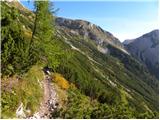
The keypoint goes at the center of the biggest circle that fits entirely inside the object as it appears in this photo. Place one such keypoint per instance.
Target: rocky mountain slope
(126, 42)
(100, 74)
(146, 49)
(89, 31)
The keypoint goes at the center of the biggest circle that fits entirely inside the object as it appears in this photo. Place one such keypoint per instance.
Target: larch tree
(44, 29)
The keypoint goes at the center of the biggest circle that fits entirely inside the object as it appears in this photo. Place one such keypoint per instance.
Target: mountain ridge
(91, 31)
(145, 48)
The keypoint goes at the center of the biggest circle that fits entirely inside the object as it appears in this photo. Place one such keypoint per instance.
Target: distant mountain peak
(146, 49)
(128, 41)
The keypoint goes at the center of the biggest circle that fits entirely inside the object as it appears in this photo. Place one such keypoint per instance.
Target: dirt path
(50, 100)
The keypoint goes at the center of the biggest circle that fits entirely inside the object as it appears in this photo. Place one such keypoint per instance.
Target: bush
(15, 55)
(61, 81)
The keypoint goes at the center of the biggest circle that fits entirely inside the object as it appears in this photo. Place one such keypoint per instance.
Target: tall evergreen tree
(44, 29)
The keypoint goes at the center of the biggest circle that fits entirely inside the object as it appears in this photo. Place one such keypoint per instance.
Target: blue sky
(125, 19)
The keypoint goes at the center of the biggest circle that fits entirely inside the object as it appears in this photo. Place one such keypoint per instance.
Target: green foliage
(80, 106)
(15, 56)
(92, 77)
(9, 103)
(49, 49)
(76, 100)
(83, 77)
(19, 54)
(138, 77)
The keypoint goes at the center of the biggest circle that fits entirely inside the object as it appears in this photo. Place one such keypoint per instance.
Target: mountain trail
(49, 102)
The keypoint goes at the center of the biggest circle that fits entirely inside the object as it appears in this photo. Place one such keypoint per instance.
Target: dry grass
(26, 89)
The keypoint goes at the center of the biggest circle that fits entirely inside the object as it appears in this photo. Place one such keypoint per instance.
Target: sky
(125, 19)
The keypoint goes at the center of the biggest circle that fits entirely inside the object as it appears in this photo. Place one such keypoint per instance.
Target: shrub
(61, 81)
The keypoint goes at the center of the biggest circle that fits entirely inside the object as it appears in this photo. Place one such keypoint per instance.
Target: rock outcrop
(89, 31)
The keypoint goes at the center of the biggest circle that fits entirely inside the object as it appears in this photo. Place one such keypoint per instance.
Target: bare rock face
(89, 31)
(146, 49)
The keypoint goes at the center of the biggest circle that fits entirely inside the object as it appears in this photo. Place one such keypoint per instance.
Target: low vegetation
(80, 106)
(60, 81)
(25, 89)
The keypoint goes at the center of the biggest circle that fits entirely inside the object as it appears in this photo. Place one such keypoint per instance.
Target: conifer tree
(44, 29)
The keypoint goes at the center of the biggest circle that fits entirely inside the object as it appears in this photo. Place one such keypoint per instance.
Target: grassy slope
(25, 89)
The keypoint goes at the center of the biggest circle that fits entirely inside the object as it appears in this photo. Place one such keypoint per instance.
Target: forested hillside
(88, 77)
